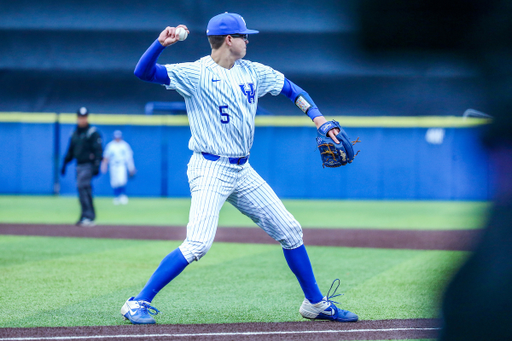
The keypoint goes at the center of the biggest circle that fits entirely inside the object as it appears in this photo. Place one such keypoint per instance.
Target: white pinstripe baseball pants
(214, 182)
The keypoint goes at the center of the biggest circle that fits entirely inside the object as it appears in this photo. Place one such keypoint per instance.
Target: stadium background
(405, 103)
(59, 55)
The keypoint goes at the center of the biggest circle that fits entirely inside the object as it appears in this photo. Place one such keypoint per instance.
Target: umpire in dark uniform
(84, 146)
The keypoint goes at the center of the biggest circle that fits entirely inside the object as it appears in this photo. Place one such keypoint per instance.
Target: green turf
(310, 213)
(79, 281)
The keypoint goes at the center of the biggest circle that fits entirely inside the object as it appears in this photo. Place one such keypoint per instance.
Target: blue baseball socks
(170, 267)
(119, 190)
(299, 263)
(174, 263)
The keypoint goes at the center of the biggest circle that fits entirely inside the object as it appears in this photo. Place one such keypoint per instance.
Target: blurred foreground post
(478, 302)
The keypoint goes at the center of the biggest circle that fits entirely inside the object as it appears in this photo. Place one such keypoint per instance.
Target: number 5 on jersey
(224, 116)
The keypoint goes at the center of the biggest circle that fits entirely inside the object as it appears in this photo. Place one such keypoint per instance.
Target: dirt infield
(393, 239)
(362, 330)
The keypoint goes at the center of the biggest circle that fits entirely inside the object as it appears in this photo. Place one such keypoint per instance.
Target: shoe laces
(329, 296)
(146, 307)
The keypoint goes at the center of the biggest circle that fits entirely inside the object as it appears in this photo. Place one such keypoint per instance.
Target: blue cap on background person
(227, 23)
(118, 134)
(82, 111)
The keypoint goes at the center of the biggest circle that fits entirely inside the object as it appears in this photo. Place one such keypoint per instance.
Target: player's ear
(228, 40)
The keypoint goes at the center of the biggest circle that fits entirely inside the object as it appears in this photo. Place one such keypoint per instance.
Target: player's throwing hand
(168, 36)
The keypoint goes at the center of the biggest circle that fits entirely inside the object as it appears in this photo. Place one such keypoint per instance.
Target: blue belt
(233, 160)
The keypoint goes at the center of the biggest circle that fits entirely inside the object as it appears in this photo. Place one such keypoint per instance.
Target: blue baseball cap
(227, 23)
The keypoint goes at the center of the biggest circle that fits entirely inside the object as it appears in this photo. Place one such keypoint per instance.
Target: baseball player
(221, 93)
(118, 156)
(84, 146)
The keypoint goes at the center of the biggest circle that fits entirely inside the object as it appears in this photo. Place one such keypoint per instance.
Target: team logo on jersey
(248, 90)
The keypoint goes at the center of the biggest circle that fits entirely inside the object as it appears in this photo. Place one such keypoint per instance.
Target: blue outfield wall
(394, 162)
(27, 161)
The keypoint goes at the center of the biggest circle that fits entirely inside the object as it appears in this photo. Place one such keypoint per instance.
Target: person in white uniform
(221, 93)
(118, 159)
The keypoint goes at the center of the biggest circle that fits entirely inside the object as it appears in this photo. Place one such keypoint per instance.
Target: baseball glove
(333, 154)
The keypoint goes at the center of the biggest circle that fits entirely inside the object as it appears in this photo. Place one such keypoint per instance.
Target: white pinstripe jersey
(221, 103)
(119, 153)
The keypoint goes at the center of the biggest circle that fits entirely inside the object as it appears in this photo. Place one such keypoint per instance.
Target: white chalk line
(91, 337)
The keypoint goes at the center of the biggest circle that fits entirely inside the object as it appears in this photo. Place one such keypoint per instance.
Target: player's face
(82, 121)
(240, 42)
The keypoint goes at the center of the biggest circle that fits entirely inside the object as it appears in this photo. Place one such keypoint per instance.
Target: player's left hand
(338, 154)
(168, 35)
(319, 121)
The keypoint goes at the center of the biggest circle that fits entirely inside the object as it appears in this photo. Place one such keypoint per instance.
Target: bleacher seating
(57, 55)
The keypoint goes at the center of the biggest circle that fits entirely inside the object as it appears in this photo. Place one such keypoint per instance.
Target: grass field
(80, 281)
(55, 281)
(310, 213)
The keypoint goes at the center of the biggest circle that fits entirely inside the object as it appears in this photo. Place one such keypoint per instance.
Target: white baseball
(181, 33)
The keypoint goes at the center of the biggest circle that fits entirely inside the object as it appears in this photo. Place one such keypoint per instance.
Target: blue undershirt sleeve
(148, 69)
(301, 99)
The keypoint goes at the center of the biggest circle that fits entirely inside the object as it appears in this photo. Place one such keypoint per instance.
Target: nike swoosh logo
(329, 313)
(132, 312)
(215, 80)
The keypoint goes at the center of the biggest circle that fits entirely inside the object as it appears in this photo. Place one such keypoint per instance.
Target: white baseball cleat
(85, 222)
(139, 312)
(326, 310)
